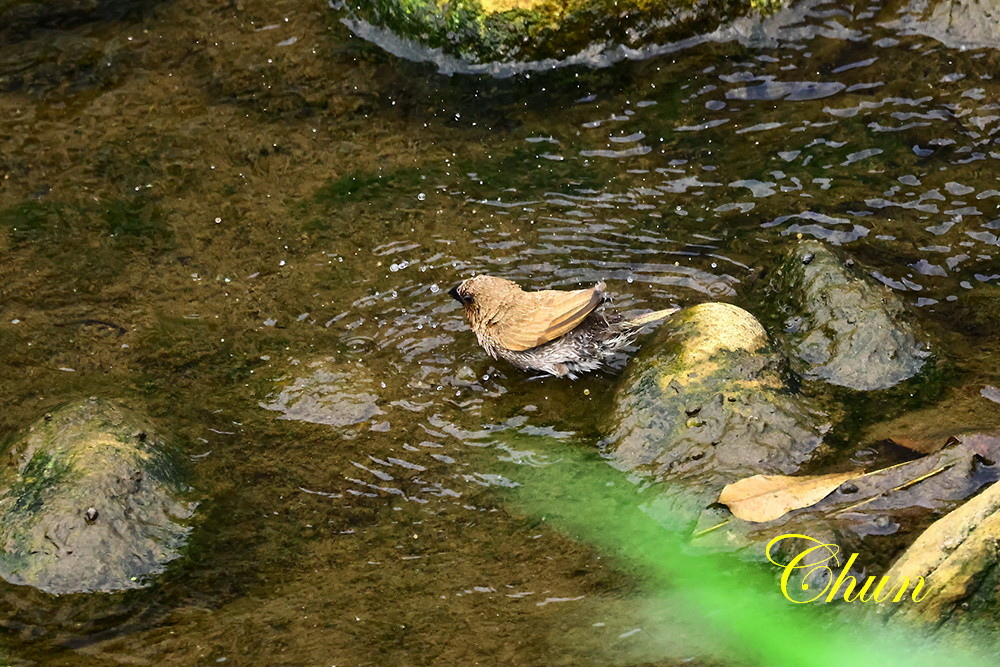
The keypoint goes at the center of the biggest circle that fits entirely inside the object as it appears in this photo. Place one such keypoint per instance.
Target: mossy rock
(483, 31)
(704, 404)
(91, 499)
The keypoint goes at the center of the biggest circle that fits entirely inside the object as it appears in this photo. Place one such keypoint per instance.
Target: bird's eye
(463, 299)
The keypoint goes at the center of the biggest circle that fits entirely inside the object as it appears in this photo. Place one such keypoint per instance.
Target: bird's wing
(546, 315)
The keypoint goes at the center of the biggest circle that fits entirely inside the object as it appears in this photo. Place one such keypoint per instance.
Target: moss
(357, 186)
(129, 222)
(42, 471)
(767, 7)
(134, 218)
(32, 220)
(492, 30)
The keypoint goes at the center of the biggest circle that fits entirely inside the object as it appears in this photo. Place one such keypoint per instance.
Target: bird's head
(484, 296)
(460, 293)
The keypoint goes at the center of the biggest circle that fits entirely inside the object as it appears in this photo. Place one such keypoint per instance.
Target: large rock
(90, 500)
(843, 327)
(483, 31)
(705, 404)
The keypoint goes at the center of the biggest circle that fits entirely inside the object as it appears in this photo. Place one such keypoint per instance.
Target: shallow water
(273, 210)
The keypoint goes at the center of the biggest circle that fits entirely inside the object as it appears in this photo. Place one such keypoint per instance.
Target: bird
(559, 332)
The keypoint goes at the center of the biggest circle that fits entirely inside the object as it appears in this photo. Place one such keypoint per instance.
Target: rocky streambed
(741, 433)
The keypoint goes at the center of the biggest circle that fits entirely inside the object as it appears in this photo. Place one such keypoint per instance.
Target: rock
(90, 500)
(485, 31)
(959, 24)
(957, 556)
(844, 328)
(705, 404)
(333, 393)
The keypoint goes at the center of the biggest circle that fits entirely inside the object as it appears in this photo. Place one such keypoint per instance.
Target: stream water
(273, 210)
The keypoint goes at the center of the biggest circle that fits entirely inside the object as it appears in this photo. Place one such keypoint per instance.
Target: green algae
(485, 32)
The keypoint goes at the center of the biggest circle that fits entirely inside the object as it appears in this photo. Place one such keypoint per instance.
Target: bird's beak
(453, 293)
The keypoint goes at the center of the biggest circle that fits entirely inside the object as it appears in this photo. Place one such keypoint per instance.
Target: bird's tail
(649, 318)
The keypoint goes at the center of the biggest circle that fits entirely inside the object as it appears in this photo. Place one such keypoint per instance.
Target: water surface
(273, 210)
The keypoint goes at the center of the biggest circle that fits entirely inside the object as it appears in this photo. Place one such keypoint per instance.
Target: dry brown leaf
(767, 497)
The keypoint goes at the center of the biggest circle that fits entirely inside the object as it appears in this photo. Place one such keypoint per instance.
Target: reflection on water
(273, 211)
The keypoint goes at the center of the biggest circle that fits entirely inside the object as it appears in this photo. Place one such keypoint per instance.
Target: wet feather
(563, 333)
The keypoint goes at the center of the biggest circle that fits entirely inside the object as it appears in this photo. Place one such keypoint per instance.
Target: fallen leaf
(767, 497)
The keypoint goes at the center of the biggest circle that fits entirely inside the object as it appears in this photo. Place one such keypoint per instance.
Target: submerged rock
(327, 391)
(90, 500)
(845, 328)
(959, 24)
(964, 409)
(483, 31)
(704, 404)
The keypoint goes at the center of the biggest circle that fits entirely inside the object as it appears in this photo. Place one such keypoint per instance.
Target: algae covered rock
(704, 404)
(90, 500)
(482, 31)
(845, 328)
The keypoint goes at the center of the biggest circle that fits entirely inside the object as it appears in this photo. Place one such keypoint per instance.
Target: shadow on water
(273, 210)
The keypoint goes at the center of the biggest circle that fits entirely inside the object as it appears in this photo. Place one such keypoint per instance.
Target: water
(273, 210)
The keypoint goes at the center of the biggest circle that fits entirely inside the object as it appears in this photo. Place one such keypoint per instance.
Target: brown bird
(554, 331)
